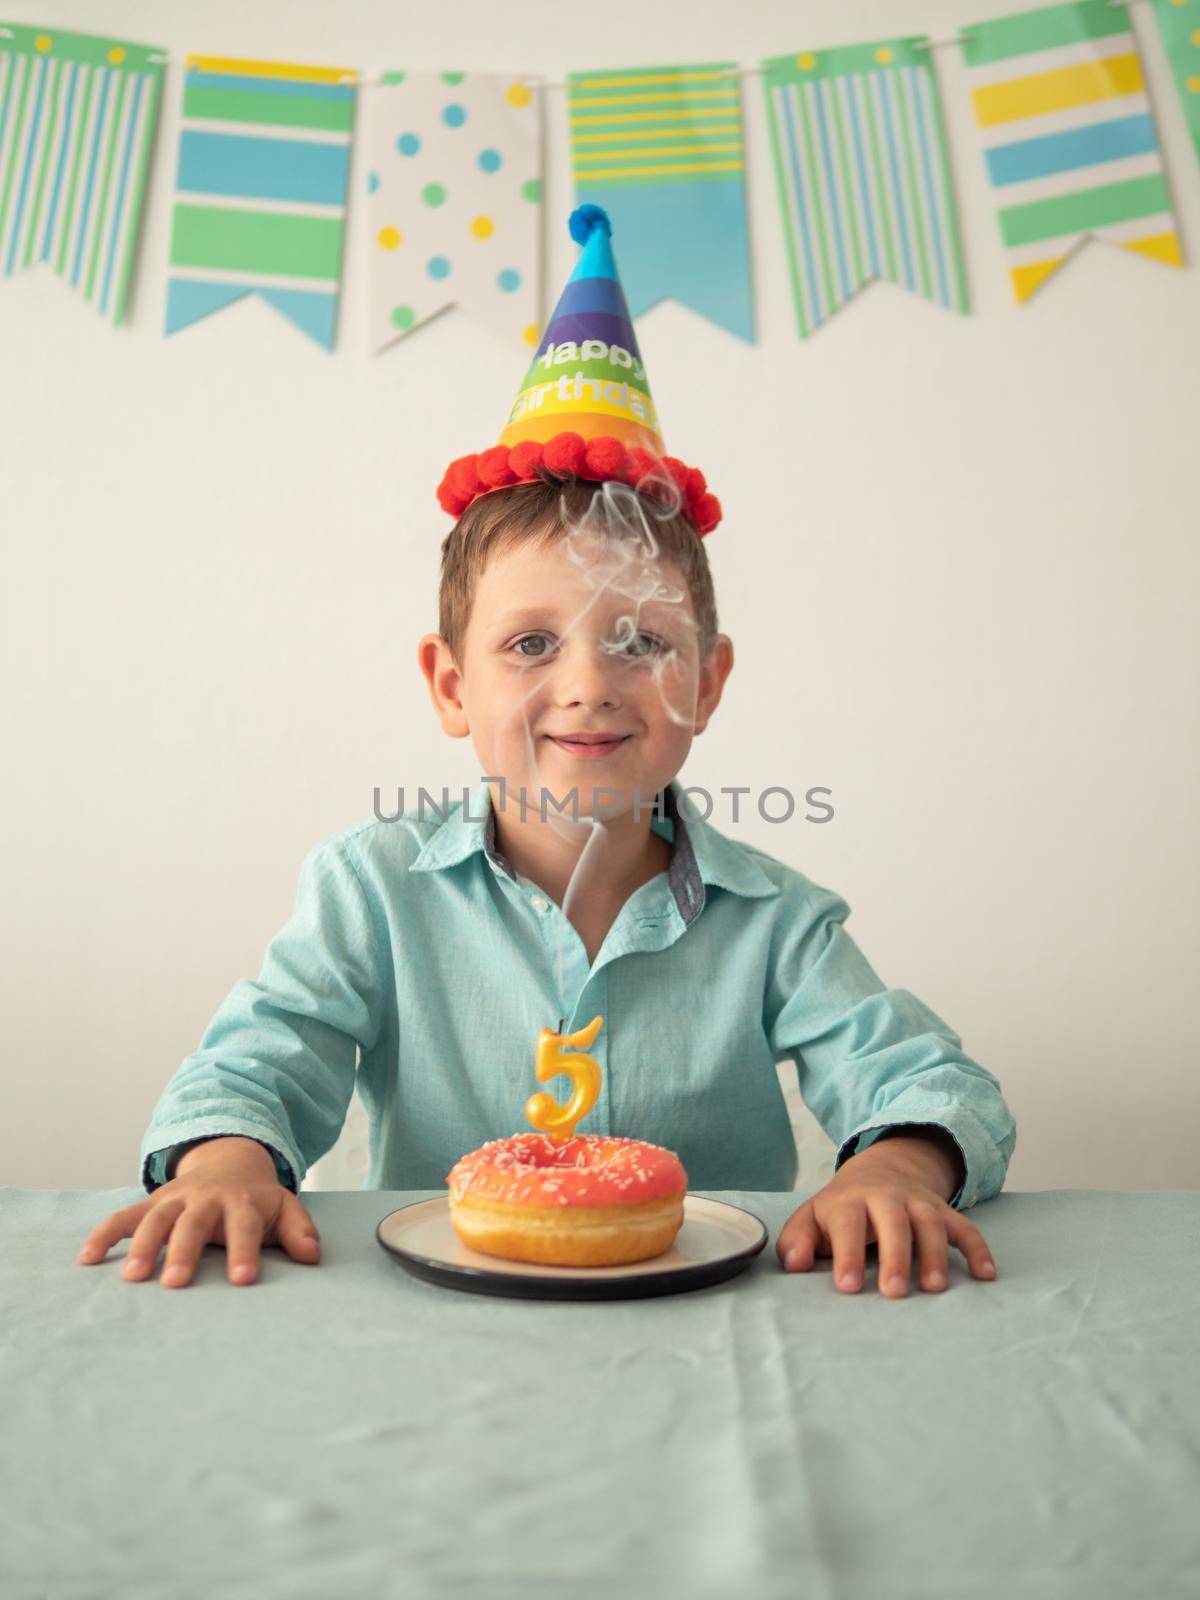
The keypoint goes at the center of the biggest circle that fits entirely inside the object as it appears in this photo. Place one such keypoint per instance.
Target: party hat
(584, 407)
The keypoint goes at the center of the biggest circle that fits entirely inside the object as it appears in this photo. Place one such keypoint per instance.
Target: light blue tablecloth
(349, 1431)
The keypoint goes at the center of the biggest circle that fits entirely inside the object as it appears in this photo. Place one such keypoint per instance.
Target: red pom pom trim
(463, 478)
(677, 472)
(525, 458)
(603, 459)
(451, 502)
(708, 514)
(565, 453)
(494, 467)
(595, 460)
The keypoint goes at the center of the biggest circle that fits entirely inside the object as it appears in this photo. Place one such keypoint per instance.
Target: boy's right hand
(225, 1191)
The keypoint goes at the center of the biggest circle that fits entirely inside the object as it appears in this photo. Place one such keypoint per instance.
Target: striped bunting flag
(863, 175)
(661, 150)
(260, 190)
(1179, 27)
(77, 120)
(1068, 137)
(454, 203)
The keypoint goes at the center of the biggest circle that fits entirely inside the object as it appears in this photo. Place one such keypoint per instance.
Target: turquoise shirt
(420, 967)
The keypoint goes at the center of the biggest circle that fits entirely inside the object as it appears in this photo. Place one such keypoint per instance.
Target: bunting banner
(1068, 137)
(661, 150)
(77, 120)
(260, 190)
(453, 163)
(1179, 28)
(454, 191)
(863, 175)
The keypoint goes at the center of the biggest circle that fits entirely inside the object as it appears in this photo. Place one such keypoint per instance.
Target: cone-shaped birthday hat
(584, 407)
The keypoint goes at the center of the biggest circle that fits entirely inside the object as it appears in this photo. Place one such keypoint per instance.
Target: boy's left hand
(894, 1190)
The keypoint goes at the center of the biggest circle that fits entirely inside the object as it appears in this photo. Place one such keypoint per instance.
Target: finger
(243, 1239)
(894, 1233)
(798, 1239)
(147, 1239)
(190, 1234)
(847, 1229)
(106, 1234)
(298, 1232)
(929, 1230)
(966, 1237)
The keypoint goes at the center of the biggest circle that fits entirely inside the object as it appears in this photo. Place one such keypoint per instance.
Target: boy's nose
(588, 677)
(587, 686)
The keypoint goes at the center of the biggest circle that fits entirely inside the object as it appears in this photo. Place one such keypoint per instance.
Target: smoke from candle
(615, 548)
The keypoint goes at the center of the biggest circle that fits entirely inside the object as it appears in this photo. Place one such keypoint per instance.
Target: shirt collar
(699, 853)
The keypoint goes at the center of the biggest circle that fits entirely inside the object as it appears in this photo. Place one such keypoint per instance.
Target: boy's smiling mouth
(588, 746)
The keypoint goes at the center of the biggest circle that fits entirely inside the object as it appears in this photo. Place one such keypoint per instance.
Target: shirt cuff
(982, 1164)
(289, 1166)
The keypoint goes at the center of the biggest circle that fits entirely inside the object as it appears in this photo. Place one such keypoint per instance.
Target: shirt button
(539, 904)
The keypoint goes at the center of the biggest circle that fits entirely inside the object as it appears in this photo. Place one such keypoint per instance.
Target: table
(348, 1431)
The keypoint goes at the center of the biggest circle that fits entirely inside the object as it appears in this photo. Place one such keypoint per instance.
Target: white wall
(969, 609)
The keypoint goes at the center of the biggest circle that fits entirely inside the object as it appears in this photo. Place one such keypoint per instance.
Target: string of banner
(454, 161)
(380, 80)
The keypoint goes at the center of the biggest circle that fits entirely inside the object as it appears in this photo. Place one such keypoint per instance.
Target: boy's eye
(527, 639)
(655, 647)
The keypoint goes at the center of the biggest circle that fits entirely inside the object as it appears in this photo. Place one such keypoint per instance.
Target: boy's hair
(533, 512)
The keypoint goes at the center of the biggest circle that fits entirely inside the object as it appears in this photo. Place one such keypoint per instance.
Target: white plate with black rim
(715, 1242)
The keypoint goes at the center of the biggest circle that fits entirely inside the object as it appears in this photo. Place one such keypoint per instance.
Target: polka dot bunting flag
(454, 193)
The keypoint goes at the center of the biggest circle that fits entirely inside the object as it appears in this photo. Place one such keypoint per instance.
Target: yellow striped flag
(1068, 137)
(660, 150)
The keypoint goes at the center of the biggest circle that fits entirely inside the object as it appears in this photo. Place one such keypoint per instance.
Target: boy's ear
(713, 673)
(437, 663)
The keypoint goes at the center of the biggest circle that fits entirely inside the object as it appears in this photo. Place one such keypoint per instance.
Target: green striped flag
(863, 175)
(77, 120)
(1179, 26)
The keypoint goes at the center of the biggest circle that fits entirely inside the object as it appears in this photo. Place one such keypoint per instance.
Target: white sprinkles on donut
(587, 1169)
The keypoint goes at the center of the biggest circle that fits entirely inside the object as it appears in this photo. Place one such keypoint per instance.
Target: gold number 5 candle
(542, 1109)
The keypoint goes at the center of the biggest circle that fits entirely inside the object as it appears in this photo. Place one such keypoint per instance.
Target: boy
(579, 650)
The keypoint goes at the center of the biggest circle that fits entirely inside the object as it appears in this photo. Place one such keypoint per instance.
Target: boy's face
(583, 635)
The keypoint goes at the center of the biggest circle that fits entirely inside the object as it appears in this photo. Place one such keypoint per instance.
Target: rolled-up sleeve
(157, 1162)
(278, 1060)
(869, 1057)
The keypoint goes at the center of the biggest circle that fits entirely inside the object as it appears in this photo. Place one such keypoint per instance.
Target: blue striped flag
(77, 120)
(863, 175)
(260, 190)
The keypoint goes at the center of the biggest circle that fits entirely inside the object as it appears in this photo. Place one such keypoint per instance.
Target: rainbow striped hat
(584, 407)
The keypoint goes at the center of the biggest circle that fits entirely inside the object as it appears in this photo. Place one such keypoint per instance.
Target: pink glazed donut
(587, 1201)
